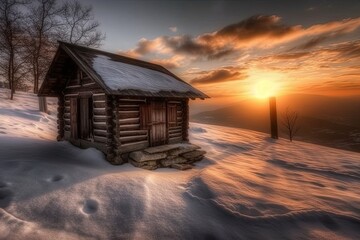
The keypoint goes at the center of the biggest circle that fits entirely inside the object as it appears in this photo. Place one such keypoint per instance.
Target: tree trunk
(43, 104)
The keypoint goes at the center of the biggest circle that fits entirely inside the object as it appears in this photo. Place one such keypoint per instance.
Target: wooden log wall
(60, 119)
(130, 133)
(66, 117)
(175, 131)
(185, 119)
(100, 118)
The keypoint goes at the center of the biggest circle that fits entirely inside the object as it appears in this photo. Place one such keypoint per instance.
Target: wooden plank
(99, 104)
(175, 128)
(73, 86)
(100, 118)
(73, 117)
(129, 127)
(128, 114)
(129, 139)
(174, 135)
(99, 111)
(100, 132)
(88, 84)
(133, 132)
(100, 139)
(171, 131)
(185, 119)
(129, 120)
(100, 125)
(99, 97)
(71, 95)
(131, 100)
(175, 140)
(129, 147)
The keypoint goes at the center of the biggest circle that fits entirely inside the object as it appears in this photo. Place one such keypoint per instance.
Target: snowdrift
(248, 187)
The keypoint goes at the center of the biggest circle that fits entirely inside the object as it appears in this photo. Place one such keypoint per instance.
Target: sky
(241, 49)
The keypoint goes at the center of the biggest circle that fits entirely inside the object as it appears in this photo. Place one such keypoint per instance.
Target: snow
(122, 76)
(248, 187)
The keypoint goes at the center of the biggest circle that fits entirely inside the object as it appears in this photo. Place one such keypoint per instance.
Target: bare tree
(42, 26)
(12, 63)
(79, 25)
(290, 123)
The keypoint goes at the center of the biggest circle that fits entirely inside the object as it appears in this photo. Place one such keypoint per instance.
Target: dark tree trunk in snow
(43, 104)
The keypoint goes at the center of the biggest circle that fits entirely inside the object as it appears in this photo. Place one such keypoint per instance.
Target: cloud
(173, 29)
(255, 32)
(224, 74)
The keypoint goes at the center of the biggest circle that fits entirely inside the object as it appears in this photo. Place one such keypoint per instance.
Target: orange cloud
(254, 32)
(224, 74)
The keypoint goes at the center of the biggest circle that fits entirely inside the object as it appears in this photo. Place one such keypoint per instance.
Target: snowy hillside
(248, 187)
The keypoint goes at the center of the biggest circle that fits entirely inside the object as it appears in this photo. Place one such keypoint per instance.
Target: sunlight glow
(264, 89)
(267, 84)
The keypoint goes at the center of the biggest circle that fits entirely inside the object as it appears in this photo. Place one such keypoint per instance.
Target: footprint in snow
(90, 206)
(56, 178)
(6, 196)
(3, 184)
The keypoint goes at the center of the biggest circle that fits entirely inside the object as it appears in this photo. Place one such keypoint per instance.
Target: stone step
(181, 166)
(193, 154)
(141, 156)
(183, 149)
(172, 160)
(162, 148)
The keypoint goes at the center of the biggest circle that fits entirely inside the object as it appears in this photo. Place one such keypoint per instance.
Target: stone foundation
(180, 156)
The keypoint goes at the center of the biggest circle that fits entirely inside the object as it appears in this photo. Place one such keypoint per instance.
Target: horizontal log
(99, 111)
(71, 95)
(100, 139)
(171, 131)
(129, 147)
(174, 135)
(128, 108)
(98, 94)
(67, 121)
(67, 115)
(175, 128)
(175, 140)
(130, 127)
(88, 84)
(100, 125)
(129, 139)
(99, 104)
(128, 114)
(128, 105)
(100, 118)
(100, 132)
(99, 97)
(133, 132)
(73, 86)
(129, 120)
(131, 100)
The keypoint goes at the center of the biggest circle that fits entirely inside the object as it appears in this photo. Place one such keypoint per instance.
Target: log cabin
(115, 103)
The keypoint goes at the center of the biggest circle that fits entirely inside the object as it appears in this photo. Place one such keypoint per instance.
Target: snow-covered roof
(120, 75)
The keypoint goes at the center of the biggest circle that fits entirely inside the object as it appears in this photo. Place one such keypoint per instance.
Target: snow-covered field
(248, 187)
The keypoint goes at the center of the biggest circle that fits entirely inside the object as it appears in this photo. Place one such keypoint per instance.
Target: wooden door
(157, 123)
(85, 118)
(74, 117)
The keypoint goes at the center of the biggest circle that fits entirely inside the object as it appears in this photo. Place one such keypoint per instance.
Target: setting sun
(264, 89)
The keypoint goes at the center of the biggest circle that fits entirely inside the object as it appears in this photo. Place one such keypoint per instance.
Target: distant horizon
(224, 48)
